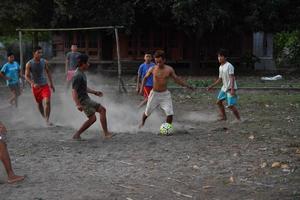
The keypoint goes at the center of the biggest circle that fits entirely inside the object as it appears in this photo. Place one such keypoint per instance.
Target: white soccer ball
(166, 129)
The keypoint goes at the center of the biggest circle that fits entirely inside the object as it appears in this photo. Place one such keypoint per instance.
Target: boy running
(35, 71)
(11, 72)
(83, 102)
(5, 159)
(143, 69)
(160, 95)
(228, 90)
(71, 63)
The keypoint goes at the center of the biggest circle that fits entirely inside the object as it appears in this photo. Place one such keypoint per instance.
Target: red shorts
(41, 92)
(147, 90)
(70, 74)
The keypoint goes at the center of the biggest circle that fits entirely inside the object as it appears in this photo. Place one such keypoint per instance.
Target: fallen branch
(181, 194)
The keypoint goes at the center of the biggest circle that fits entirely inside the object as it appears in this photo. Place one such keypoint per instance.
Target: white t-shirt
(225, 71)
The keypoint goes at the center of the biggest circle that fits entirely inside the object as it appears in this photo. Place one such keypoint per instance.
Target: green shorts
(90, 107)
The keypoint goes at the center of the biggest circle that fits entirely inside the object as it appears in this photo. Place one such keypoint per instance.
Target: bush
(287, 48)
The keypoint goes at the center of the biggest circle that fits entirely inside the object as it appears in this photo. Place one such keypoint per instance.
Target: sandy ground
(202, 160)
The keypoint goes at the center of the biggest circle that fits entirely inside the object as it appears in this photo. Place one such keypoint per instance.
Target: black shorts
(15, 87)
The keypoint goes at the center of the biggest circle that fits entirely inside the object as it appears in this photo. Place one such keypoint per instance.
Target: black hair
(159, 54)
(223, 52)
(10, 54)
(148, 53)
(37, 48)
(82, 59)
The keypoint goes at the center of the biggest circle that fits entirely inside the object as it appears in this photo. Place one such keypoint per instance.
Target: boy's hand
(2, 128)
(52, 87)
(80, 108)
(191, 88)
(98, 93)
(208, 88)
(137, 89)
(141, 91)
(33, 85)
(232, 92)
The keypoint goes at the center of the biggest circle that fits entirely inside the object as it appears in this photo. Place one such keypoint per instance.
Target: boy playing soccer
(143, 69)
(5, 159)
(71, 63)
(35, 73)
(160, 95)
(228, 90)
(11, 72)
(83, 102)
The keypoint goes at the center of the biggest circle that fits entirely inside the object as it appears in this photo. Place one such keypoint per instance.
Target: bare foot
(76, 137)
(221, 119)
(15, 178)
(108, 135)
(49, 124)
(141, 126)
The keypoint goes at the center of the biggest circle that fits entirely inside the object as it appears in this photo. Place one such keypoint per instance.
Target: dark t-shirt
(72, 58)
(79, 84)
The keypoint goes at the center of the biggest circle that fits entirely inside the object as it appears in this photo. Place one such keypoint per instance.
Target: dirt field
(202, 160)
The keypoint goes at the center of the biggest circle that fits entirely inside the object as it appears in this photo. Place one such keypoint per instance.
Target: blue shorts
(231, 100)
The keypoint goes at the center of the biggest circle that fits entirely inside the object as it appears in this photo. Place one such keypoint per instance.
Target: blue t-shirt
(11, 70)
(143, 69)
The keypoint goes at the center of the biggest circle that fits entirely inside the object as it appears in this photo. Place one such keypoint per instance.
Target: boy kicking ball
(228, 90)
(4, 157)
(83, 102)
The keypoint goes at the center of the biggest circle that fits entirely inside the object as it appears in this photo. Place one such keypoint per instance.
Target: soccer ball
(166, 129)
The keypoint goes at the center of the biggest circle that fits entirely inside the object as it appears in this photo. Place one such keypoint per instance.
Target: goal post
(121, 85)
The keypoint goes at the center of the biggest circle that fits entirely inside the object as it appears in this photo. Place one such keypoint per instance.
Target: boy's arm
(76, 100)
(97, 93)
(178, 80)
(148, 74)
(66, 66)
(214, 84)
(3, 76)
(232, 79)
(138, 82)
(27, 75)
(49, 76)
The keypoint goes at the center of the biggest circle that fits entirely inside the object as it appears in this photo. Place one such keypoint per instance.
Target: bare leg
(4, 157)
(143, 120)
(143, 103)
(103, 121)
(12, 99)
(235, 112)
(41, 109)
(47, 110)
(169, 119)
(222, 110)
(85, 126)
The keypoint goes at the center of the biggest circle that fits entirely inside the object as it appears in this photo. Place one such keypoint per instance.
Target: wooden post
(21, 49)
(119, 61)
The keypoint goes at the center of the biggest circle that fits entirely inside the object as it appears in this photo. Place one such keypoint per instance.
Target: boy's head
(160, 58)
(10, 57)
(83, 61)
(148, 57)
(37, 52)
(74, 48)
(222, 56)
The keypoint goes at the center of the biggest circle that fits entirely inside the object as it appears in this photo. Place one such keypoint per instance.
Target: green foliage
(249, 59)
(200, 83)
(287, 48)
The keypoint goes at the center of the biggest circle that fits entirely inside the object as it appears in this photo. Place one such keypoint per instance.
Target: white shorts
(162, 99)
